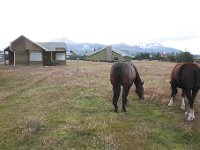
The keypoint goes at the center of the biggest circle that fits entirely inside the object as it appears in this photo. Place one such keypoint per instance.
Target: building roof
(120, 52)
(73, 52)
(90, 53)
(52, 46)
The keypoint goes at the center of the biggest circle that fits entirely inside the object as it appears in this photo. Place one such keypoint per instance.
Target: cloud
(105, 21)
(177, 38)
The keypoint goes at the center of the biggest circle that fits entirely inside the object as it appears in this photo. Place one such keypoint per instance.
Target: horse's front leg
(116, 94)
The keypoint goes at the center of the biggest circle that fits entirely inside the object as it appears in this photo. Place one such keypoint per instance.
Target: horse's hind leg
(124, 97)
(191, 102)
(127, 94)
(183, 100)
(194, 92)
(116, 94)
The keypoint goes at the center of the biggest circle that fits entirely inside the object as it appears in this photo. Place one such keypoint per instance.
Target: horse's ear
(142, 83)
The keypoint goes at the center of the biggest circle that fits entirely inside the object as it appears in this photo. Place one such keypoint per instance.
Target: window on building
(115, 58)
(60, 56)
(35, 56)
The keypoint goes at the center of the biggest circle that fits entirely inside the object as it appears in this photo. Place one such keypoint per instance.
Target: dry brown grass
(70, 106)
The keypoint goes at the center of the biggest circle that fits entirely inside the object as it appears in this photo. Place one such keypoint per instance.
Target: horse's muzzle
(141, 98)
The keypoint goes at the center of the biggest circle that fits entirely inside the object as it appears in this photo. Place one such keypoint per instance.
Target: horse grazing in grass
(125, 74)
(187, 77)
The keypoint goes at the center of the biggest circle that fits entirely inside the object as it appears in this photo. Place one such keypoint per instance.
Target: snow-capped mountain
(83, 48)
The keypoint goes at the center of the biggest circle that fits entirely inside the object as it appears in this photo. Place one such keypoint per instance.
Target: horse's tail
(195, 73)
(118, 75)
(180, 81)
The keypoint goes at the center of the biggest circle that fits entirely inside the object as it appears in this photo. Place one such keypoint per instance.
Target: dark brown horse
(125, 74)
(187, 77)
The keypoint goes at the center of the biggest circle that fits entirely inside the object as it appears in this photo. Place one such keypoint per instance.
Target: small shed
(106, 54)
(23, 51)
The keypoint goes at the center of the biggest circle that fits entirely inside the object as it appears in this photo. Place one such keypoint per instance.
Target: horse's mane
(137, 79)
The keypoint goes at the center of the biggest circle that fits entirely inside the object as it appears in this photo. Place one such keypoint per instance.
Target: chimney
(109, 53)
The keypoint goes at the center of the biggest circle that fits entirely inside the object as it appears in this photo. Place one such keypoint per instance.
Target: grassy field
(70, 107)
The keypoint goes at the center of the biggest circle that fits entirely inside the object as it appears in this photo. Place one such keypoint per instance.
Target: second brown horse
(125, 74)
(187, 77)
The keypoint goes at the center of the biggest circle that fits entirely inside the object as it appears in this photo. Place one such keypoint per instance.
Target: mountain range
(83, 48)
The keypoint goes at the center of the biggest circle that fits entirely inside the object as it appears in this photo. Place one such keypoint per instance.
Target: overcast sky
(173, 23)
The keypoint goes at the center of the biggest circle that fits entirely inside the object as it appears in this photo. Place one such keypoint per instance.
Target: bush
(156, 56)
(171, 58)
(185, 57)
(142, 56)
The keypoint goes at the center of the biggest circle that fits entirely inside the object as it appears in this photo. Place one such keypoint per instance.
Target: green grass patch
(73, 110)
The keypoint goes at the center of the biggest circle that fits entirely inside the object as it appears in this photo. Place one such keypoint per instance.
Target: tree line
(178, 57)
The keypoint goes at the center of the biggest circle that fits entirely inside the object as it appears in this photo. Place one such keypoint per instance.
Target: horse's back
(186, 75)
(122, 72)
(190, 75)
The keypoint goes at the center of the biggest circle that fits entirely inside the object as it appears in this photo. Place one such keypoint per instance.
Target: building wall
(21, 53)
(11, 58)
(99, 56)
(47, 58)
(118, 56)
(60, 49)
(109, 53)
(22, 46)
(50, 59)
(35, 63)
(60, 62)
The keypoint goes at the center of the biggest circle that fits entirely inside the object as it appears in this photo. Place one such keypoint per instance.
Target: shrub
(185, 57)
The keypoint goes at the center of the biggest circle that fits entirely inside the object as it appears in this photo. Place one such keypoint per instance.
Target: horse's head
(140, 90)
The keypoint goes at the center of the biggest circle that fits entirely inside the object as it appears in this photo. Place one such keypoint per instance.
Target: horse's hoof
(186, 112)
(183, 107)
(190, 118)
(170, 104)
(123, 109)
